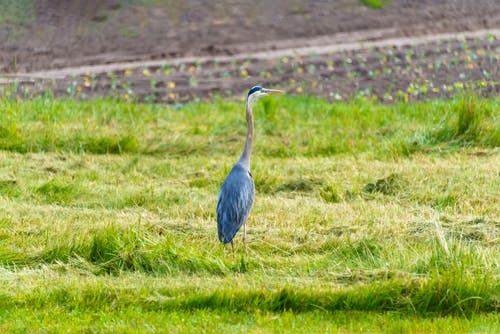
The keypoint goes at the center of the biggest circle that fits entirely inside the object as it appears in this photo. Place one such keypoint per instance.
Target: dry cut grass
(395, 230)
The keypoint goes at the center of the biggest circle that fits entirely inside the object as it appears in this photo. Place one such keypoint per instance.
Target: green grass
(377, 4)
(368, 217)
(17, 12)
(293, 127)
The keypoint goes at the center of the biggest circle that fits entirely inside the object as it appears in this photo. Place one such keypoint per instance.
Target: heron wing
(234, 204)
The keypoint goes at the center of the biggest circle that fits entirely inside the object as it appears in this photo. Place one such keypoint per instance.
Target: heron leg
(232, 246)
(224, 249)
(245, 238)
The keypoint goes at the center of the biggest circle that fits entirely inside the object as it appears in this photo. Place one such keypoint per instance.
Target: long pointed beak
(273, 91)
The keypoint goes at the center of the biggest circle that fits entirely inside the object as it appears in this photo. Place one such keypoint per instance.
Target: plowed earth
(178, 53)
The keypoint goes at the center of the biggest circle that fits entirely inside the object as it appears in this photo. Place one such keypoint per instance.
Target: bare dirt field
(175, 51)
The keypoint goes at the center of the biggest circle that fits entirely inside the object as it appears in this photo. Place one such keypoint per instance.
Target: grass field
(368, 217)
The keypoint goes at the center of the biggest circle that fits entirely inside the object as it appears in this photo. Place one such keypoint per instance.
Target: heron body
(237, 192)
(235, 201)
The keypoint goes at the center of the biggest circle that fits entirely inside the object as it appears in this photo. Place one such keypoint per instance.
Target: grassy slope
(17, 12)
(367, 217)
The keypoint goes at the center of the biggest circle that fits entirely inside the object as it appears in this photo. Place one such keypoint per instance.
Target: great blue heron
(237, 192)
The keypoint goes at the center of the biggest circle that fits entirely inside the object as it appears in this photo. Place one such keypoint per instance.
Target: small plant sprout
(165, 69)
(244, 73)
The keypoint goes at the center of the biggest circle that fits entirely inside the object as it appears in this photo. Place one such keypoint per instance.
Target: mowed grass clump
(367, 217)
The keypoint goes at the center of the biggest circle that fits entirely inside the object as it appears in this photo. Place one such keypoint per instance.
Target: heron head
(257, 91)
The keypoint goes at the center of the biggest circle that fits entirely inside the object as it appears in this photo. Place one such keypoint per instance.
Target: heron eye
(254, 90)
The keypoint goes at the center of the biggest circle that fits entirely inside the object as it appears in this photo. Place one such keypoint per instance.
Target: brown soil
(71, 33)
(351, 49)
(389, 70)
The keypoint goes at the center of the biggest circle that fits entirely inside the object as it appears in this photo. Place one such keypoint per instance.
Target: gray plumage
(234, 204)
(237, 192)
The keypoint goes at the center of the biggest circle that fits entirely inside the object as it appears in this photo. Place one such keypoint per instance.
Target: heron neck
(247, 151)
